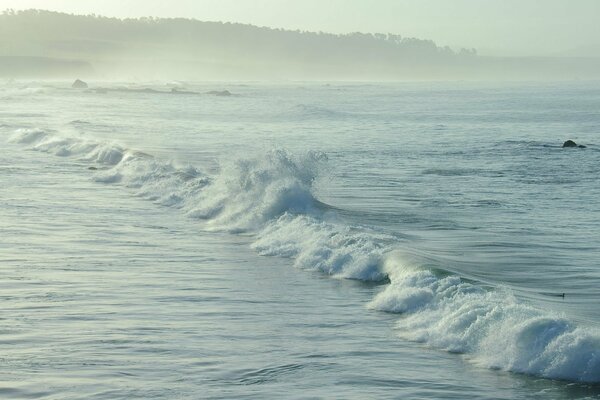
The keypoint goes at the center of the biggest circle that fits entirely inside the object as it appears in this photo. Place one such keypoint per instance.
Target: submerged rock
(180, 91)
(220, 92)
(79, 84)
(570, 143)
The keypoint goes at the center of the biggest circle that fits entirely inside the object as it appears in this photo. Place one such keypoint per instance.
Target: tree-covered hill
(190, 49)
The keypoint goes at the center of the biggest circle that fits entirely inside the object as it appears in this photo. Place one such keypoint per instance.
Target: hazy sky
(494, 27)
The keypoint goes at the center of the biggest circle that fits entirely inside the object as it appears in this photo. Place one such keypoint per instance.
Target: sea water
(300, 240)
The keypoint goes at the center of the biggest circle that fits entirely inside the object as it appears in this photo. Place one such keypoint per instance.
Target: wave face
(271, 198)
(492, 326)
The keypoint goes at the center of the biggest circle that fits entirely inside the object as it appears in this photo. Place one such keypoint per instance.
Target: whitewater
(423, 240)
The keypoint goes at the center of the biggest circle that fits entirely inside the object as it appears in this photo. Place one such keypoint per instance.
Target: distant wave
(79, 122)
(22, 115)
(9, 92)
(317, 112)
(270, 196)
(452, 171)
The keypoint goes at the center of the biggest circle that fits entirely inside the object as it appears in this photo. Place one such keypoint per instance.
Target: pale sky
(494, 27)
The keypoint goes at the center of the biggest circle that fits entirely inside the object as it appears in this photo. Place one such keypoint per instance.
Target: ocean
(300, 240)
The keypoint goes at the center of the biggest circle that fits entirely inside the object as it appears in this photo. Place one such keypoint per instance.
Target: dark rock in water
(92, 168)
(220, 92)
(570, 143)
(144, 90)
(179, 91)
(79, 84)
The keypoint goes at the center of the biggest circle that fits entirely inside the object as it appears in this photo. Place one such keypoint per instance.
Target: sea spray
(249, 192)
(270, 197)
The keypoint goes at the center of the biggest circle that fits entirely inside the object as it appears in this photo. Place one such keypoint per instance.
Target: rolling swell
(271, 198)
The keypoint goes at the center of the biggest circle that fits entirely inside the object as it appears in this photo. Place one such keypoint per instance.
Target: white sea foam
(491, 326)
(50, 142)
(334, 249)
(271, 197)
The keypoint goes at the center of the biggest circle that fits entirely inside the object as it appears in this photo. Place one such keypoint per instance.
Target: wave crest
(249, 192)
(334, 249)
(491, 326)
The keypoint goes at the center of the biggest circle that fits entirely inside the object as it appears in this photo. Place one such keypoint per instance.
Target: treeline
(158, 45)
(189, 49)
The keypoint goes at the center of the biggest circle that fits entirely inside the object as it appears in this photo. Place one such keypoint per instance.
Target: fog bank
(43, 44)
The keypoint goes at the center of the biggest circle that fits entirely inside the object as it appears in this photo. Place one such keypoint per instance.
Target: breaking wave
(491, 326)
(271, 198)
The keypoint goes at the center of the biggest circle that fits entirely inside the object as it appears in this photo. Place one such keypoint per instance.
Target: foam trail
(271, 197)
(164, 183)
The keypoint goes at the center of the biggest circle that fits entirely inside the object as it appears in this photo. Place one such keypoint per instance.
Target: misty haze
(267, 199)
(45, 44)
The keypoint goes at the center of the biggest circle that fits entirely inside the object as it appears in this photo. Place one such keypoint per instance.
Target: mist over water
(164, 245)
(44, 44)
